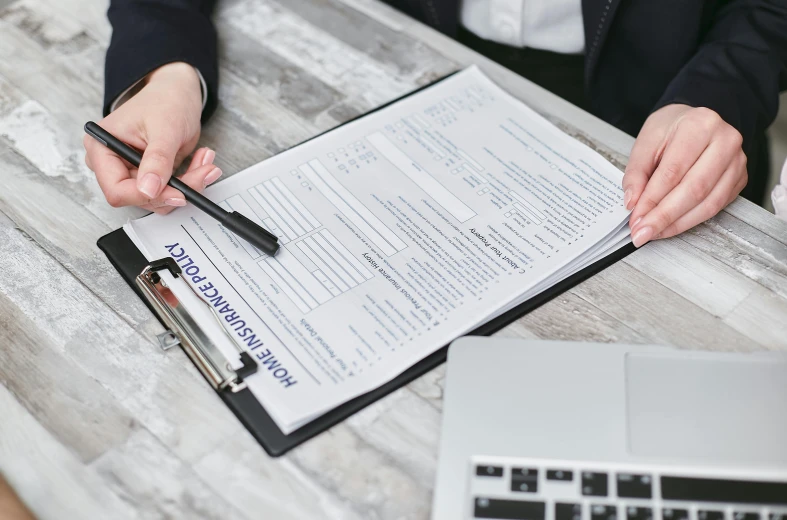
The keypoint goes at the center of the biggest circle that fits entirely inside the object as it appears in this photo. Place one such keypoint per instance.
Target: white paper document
(399, 232)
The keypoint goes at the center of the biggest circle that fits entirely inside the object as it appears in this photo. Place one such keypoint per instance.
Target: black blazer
(727, 55)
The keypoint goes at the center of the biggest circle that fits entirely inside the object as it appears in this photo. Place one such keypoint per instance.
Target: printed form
(399, 232)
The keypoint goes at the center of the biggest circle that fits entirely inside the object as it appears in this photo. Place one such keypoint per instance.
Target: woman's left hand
(686, 165)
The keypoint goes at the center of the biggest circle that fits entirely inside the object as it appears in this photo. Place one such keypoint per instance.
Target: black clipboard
(130, 262)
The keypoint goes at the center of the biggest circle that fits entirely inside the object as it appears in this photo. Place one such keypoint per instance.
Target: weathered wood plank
(759, 219)
(47, 476)
(332, 461)
(408, 56)
(163, 391)
(309, 48)
(698, 277)
(762, 316)
(50, 209)
(657, 313)
(742, 247)
(76, 410)
(404, 428)
(570, 318)
(255, 483)
(158, 484)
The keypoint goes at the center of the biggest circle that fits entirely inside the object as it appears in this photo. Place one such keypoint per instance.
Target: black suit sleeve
(147, 34)
(740, 67)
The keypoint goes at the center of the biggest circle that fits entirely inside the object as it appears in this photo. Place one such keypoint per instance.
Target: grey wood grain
(97, 422)
(82, 417)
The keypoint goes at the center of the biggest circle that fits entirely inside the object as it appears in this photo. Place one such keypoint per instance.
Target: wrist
(180, 76)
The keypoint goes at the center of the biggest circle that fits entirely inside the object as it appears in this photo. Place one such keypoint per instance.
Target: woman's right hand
(163, 121)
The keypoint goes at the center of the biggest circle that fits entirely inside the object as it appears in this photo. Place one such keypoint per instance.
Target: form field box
(355, 211)
(284, 208)
(313, 253)
(420, 121)
(295, 281)
(421, 178)
(344, 252)
(525, 213)
(476, 166)
(532, 209)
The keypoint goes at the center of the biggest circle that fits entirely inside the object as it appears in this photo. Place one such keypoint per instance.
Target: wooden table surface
(97, 422)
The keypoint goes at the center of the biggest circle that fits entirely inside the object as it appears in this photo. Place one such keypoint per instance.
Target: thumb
(156, 166)
(642, 163)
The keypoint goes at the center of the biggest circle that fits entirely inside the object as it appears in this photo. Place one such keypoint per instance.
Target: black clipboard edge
(129, 262)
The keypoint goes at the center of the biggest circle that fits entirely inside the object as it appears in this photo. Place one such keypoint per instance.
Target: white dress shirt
(552, 25)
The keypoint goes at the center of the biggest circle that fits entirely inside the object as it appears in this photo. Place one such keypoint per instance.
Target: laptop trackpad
(695, 407)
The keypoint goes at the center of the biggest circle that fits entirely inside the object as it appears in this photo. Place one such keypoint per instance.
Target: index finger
(642, 161)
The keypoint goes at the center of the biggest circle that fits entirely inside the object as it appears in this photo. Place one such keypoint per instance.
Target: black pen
(257, 236)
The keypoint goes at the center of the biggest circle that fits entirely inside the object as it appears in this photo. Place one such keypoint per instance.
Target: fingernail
(212, 176)
(150, 185)
(210, 155)
(636, 222)
(627, 198)
(642, 236)
(175, 202)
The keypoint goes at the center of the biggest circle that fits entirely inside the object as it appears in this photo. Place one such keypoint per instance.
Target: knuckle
(744, 161)
(647, 202)
(707, 115)
(157, 155)
(672, 173)
(735, 138)
(714, 205)
(662, 219)
(699, 189)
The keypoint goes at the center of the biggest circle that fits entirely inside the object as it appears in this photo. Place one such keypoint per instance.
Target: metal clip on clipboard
(184, 331)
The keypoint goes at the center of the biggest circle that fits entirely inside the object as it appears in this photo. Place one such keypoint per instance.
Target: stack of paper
(400, 232)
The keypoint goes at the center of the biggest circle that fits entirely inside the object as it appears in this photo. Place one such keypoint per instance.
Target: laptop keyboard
(508, 489)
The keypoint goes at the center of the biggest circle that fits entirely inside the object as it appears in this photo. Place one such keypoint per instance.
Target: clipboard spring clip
(184, 331)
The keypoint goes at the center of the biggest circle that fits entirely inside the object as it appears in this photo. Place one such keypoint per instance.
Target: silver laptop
(540, 430)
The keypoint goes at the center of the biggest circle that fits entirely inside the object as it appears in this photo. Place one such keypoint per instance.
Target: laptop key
(566, 511)
(508, 509)
(524, 486)
(489, 471)
(745, 515)
(524, 480)
(639, 513)
(560, 474)
(634, 486)
(705, 514)
(599, 512)
(594, 484)
(777, 516)
(674, 514)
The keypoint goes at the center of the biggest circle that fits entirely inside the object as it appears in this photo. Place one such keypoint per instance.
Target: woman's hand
(162, 120)
(687, 164)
